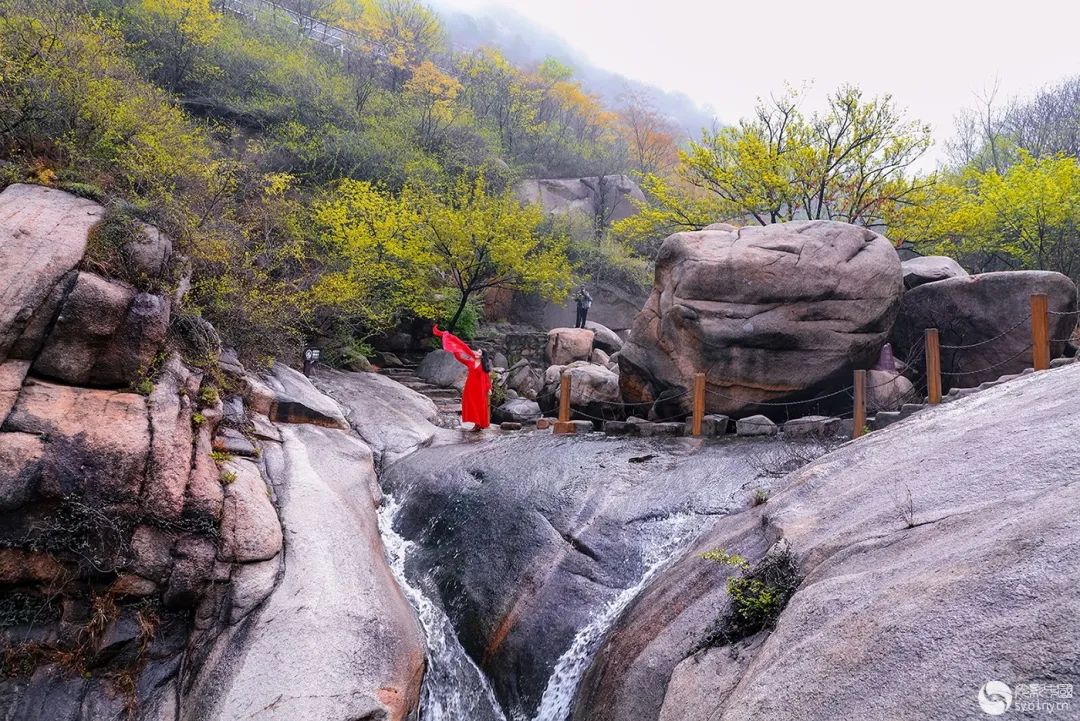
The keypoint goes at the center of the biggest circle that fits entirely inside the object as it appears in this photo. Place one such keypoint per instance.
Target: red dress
(475, 407)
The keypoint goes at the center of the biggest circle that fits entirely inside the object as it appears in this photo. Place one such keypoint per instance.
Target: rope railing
(988, 341)
(927, 380)
(977, 371)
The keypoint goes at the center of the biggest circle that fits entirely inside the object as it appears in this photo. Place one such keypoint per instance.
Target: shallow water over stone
(520, 552)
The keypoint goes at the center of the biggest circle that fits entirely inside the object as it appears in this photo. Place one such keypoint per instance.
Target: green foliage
(758, 594)
(498, 391)
(197, 419)
(309, 191)
(108, 254)
(1025, 217)
(479, 240)
(208, 396)
(761, 497)
(227, 477)
(847, 163)
(144, 387)
(220, 456)
(468, 322)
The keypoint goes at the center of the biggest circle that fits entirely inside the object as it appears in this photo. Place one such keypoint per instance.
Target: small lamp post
(311, 357)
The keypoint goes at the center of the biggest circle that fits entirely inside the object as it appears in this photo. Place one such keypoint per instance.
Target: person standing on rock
(584, 302)
(475, 403)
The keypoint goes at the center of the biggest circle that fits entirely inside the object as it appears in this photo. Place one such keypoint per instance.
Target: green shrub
(758, 594)
(208, 396)
(144, 387)
(470, 319)
(228, 477)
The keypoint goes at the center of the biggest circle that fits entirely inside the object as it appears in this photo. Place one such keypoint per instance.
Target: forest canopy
(334, 189)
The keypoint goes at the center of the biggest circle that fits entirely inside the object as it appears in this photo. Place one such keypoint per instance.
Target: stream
(455, 689)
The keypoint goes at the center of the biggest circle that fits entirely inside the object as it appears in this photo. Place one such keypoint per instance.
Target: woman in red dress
(475, 406)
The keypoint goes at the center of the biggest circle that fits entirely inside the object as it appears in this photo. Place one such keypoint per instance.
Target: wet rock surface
(524, 539)
(336, 620)
(927, 567)
(391, 419)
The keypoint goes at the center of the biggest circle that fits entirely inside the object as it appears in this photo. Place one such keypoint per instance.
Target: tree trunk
(460, 309)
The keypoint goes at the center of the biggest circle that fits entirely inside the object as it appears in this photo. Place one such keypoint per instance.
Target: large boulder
(105, 334)
(990, 313)
(286, 395)
(43, 235)
(590, 384)
(440, 368)
(566, 345)
(770, 314)
(604, 338)
(892, 536)
(930, 269)
(336, 639)
(393, 420)
(516, 410)
(528, 543)
(525, 379)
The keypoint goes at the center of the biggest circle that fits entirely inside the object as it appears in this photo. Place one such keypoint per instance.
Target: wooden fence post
(563, 425)
(699, 404)
(933, 367)
(1040, 333)
(859, 419)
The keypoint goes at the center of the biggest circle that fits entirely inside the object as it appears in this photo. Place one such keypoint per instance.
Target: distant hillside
(524, 43)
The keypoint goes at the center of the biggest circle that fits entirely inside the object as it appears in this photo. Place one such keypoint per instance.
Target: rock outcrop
(336, 639)
(610, 196)
(926, 563)
(526, 543)
(104, 334)
(140, 543)
(991, 314)
(391, 419)
(566, 345)
(43, 235)
(770, 314)
(930, 269)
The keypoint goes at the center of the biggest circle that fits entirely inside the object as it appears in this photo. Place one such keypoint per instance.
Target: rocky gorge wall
(176, 532)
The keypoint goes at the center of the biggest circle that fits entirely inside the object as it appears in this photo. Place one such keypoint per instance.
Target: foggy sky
(933, 56)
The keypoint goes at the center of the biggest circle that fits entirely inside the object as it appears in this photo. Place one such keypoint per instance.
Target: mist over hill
(525, 44)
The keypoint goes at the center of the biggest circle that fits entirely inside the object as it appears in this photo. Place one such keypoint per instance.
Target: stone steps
(886, 418)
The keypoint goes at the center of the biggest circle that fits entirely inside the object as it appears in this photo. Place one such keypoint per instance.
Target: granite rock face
(773, 314)
(986, 318)
(926, 558)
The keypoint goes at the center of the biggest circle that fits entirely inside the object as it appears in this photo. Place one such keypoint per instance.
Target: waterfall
(454, 688)
(669, 535)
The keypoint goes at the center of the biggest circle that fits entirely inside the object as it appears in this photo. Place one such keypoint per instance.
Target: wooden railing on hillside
(1040, 358)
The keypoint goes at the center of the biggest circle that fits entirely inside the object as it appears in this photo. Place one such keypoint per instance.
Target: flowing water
(665, 539)
(456, 690)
